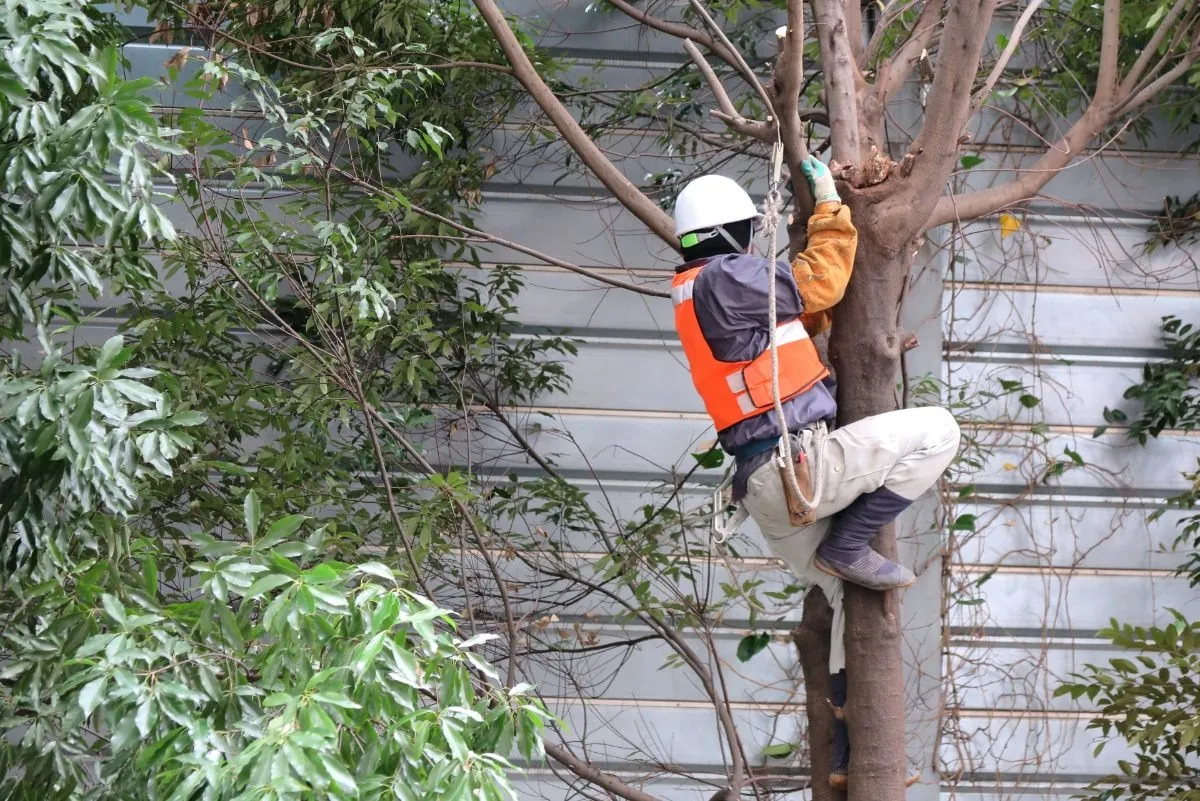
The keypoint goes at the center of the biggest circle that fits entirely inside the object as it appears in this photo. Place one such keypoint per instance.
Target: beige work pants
(905, 451)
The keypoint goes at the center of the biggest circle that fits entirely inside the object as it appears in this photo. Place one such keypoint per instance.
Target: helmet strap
(690, 240)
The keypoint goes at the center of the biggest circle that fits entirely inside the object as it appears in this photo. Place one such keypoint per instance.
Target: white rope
(721, 529)
(771, 224)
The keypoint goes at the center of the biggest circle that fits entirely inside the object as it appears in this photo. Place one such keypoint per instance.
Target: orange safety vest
(736, 391)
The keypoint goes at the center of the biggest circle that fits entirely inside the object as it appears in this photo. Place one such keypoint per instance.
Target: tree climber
(854, 479)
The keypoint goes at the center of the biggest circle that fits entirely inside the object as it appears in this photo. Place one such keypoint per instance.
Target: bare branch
(896, 70)
(841, 77)
(1014, 40)
(1143, 60)
(1151, 90)
(604, 279)
(728, 114)
(621, 187)
(892, 12)
(677, 29)
(593, 775)
(740, 62)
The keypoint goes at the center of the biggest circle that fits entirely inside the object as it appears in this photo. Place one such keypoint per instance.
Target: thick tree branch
(841, 78)
(727, 114)
(621, 187)
(1110, 51)
(895, 71)
(948, 107)
(787, 83)
(1014, 40)
(1029, 181)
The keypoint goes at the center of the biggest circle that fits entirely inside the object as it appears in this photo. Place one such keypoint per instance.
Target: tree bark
(865, 349)
(811, 638)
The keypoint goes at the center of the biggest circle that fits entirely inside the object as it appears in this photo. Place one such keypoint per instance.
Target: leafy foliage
(1150, 702)
(1167, 391)
(204, 597)
(286, 675)
(1178, 224)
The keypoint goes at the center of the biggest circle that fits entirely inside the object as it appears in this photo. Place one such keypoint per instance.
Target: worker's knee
(942, 437)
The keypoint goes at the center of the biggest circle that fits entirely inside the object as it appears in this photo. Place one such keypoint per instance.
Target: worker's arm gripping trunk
(736, 391)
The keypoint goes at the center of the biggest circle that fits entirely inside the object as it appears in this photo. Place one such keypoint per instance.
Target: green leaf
(369, 652)
(136, 392)
(286, 526)
(1029, 401)
(146, 717)
(188, 418)
(711, 458)
(964, 523)
(377, 569)
(968, 162)
(779, 750)
(336, 600)
(336, 699)
(92, 694)
(113, 607)
(252, 513)
(752, 644)
(338, 774)
(109, 351)
(267, 583)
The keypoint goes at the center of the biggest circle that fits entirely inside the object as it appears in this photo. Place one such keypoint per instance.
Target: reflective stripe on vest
(736, 391)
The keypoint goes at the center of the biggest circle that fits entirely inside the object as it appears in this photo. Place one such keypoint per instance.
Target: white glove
(820, 180)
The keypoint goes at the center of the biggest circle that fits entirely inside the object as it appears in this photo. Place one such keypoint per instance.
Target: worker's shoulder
(736, 265)
(742, 269)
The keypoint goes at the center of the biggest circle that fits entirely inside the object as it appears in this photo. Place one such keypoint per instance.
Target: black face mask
(716, 245)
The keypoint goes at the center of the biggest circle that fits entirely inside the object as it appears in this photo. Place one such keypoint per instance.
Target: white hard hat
(709, 201)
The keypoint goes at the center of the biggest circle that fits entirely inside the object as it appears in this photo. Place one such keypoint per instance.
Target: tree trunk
(865, 349)
(811, 638)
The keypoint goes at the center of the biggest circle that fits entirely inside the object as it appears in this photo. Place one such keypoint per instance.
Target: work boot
(847, 554)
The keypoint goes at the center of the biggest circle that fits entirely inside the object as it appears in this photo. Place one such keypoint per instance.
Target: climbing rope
(771, 226)
(721, 529)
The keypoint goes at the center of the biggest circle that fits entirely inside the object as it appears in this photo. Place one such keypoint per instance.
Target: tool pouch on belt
(799, 513)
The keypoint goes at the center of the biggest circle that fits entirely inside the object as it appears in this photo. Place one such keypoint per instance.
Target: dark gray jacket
(730, 297)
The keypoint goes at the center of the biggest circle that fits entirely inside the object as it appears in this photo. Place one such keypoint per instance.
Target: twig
(496, 240)
(728, 114)
(592, 774)
(1014, 40)
(679, 30)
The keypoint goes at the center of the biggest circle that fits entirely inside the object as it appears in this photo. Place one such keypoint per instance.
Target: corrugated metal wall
(1065, 305)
